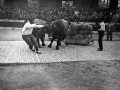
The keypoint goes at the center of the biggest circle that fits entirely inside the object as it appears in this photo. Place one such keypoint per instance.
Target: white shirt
(102, 24)
(28, 28)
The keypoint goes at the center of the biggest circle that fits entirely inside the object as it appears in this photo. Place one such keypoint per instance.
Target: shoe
(100, 50)
(38, 52)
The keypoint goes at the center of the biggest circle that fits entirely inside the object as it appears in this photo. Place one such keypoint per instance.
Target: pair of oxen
(59, 30)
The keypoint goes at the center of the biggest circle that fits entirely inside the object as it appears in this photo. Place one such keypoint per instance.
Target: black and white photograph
(59, 44)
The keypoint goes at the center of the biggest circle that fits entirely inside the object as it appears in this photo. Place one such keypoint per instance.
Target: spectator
(49, 14)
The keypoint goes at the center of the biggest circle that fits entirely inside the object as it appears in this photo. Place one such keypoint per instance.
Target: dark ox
(39, 33)
(58, 30)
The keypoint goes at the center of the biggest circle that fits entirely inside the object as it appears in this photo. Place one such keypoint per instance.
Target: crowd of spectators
(50, 14)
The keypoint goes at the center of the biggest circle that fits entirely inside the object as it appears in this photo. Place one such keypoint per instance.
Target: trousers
(31, 41)
(109, 35)
(101, 34)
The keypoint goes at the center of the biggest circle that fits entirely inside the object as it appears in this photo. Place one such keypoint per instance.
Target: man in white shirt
(27, 35)
(101, 34)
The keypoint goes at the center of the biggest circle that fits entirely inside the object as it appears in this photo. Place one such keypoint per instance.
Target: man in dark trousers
(28, 37)
(101, 34)
(109, 31)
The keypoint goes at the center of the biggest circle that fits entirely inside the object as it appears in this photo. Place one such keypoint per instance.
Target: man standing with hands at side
(101, 34)
(109, 31)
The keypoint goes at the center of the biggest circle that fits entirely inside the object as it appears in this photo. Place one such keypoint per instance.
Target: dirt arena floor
(82, 75)
(60, 74)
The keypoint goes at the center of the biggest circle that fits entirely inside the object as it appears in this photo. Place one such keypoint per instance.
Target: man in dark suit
(109, 31)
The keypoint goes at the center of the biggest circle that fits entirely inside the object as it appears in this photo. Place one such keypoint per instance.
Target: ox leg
(50, 45)
(66, 43)
(58, 44)
(43, 43)
(38, 43)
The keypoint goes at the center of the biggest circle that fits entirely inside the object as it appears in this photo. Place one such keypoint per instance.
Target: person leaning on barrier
(28, 37)
(101, 34)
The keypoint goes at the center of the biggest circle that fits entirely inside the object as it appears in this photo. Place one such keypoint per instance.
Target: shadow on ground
(88, 75)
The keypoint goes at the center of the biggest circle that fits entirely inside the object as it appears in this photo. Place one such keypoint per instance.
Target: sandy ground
(74, 75)
(85, 75)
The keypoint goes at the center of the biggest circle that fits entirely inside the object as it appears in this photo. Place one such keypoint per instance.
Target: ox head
(57, 26)
(48, 29)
